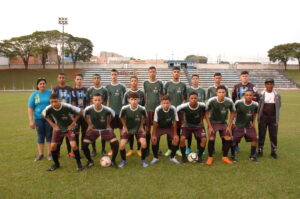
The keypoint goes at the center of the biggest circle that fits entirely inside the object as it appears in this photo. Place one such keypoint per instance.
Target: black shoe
(274, 155)
(253, 158)
(200, 160)
(114, 165)
(104, 152)
(53, 167)
(89, 164)
(184, 160)
(80, 167)
(233, 159)
(260, 152)
(94, 153)
(160, 153)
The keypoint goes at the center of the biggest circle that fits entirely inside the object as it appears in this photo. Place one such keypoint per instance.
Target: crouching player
(98, 118)
(165, 122)
(133, 118)
(191, 116)
(63, 126)
(246, 111)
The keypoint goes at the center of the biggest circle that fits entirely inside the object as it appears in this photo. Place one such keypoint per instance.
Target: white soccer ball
(105, 161)
(192, 157)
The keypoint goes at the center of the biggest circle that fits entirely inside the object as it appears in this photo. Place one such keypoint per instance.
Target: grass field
(294, 74)
(26, 79)
(23, 178)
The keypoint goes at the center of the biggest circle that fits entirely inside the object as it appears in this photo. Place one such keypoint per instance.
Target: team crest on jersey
(117, 93)
(197, 116)
(137, 118)
(155, 90)
(249, 114)
(178, 90)
(64, 117)
(223, 111)
(102, 119)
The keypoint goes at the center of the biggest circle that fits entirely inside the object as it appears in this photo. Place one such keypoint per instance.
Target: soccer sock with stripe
(211, 147)
(123, 154)
(115, 148)
(86, 151)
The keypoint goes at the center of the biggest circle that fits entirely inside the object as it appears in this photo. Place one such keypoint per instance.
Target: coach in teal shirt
(36, 104)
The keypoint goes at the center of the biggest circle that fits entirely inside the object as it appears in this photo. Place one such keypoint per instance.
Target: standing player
(212, 90)
(268, 117)
(64, 93)
(217, 110)
(177, 92)
(98, 117)
(133, 118)
(201, 98)
(165, 122)
(79, 96)
(97, 88)
(153, 89)
(191, 115)
(116, 93)
(63, 126)
(134, 89)
(246, 110)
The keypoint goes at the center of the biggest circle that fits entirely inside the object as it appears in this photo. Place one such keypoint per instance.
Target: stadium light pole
(63, 21)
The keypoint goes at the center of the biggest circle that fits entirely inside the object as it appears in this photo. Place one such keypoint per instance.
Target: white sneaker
(154, 161)
(174, 160)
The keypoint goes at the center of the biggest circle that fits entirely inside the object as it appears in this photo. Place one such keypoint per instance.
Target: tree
(6, 50)
(79, 49)
(197, 59)
(281, 53)
(296, 52)
(42, 46)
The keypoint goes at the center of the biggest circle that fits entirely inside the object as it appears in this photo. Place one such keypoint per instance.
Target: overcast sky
(234, 29)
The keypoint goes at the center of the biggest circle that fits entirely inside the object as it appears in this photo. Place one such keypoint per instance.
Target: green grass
(294, 74)
(23, 178)
(26, 79)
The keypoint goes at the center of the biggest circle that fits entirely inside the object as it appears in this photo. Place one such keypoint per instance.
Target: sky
(235, 30)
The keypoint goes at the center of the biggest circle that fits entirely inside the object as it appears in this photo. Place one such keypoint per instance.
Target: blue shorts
(44, 130)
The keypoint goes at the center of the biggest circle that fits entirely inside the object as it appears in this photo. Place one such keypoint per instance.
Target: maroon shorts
(249, 133)
(149, 119)
(116, 123)
(162, 131)
(58, 136)
(198, 132)
(221, 128)
(105, 134)
(138, 135)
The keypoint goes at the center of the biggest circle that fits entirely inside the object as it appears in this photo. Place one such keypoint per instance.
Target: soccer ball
(105, 161)
(192, 157)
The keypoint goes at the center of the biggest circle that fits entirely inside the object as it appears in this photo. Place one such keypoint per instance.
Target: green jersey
(244, 113)
(192, 116)
(133, 117)
(153, 90)
(62, 116)
(93, 90)
(219, 110)
(177, 92)
(98, 118)
(212, 92)
(141, 94)
(199, 91)
(115, 96)
(165, 118)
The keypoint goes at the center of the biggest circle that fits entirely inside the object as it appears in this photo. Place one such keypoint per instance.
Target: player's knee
(211, 138)
(53, 147)
(203, 141)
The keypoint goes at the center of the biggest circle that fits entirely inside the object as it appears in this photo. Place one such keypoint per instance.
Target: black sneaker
(114, 165)
(233, 159)
(253, 158)
(38, 158)
(89, 164)
(260, 152)
(53, 167)
(184, 160)
(104, 152)
(200, 160)
(79, 167)
(274, 155)
(160, 153)
(94, 153)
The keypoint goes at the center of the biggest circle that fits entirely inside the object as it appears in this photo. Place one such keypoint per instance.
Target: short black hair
(250, 90)
(97, 95)
(195, 75)
(133, 95)
(175, 68)
(63, 74)
(221, 87)
(152, 67)
(54, 96)
(165, 97)
(134, 77)
(217, 74)
(96, 74)
(193, 93)
(244, 72)
(79, 74)
(39, 80)
(114, 70)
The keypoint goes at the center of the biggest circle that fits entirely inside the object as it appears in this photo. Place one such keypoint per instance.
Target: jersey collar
(194, 108)
(96, 109)
(134, 109)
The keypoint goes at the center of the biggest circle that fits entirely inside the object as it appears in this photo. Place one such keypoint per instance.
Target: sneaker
(184, 159)
(274, 155)
(260, 152)
(145, 164)
(233, 159)
(104, 152)
(226, 160)
(187, 151)
(253, 158)
(89, 164)
(209, 161)
(139, 153)
(178, 152)
(200, 160)
(71, 155)
(80, 167)
(168, 152)
(122, 163)
(154, 161)
(110, 153)
(53, 167)
(94, 153)
(174, 160)
(38, 158)
(114, 165)
(50, 157)
(129, 153)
